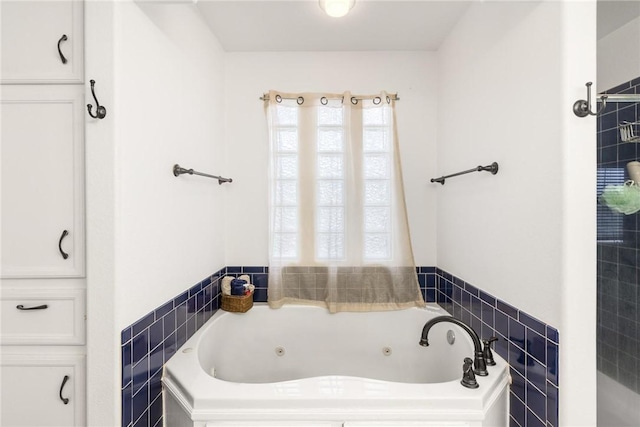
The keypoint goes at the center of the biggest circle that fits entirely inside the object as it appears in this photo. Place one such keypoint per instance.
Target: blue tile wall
(427, 281)
(618, 278)
(151, 341)
(530, 346)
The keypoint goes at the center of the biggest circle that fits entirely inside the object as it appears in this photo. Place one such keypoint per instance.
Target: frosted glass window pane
(286, 193)
(330, 166)
(374, 116)
(330, 193)
(377, 193)
(286, 166)
(331, 219)
(286, 116)
(285, 245)
(376, 166)
(330, 246)
(285, 219)
(377, 219)
(330, 140)
(330, 116)
(377, 246)
(287, 140)
(375, 139)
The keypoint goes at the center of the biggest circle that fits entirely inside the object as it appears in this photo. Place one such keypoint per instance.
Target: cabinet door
(42, 152)
(33, 41)
(34, 390)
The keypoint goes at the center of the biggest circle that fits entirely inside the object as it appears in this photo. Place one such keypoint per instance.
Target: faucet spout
(479, 363)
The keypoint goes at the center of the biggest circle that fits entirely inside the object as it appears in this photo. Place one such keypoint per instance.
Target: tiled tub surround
(618, 251)
(151, 341)
(530, 346)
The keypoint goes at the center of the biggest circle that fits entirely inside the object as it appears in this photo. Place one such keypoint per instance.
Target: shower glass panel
(618, 270)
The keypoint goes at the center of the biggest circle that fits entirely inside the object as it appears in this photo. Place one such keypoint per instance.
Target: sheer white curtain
(339, 235)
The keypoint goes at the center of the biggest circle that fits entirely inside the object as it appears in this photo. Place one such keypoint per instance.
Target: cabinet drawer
(35, 387)
(26, 321)
(36, 36)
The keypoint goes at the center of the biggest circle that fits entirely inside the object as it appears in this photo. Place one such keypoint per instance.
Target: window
(610, 223)
(339, 234)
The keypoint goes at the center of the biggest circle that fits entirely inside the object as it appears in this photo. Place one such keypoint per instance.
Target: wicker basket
(237, 303)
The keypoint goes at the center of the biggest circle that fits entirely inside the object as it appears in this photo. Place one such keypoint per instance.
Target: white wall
(103, 341)
(500, 87)
(510, 72)
(249, 75)
(619, 56)
(170, 109)
(159, 72)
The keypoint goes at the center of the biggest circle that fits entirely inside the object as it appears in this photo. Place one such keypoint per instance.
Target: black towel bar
(177, 171)
(493, 168)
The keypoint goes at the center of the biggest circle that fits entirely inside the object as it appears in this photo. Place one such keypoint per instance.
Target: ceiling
(613, 14)
(300, 25)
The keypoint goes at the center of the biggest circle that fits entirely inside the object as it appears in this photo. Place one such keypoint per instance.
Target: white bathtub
(304, 367)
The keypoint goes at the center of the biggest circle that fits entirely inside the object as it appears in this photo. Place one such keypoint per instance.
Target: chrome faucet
(479, 364)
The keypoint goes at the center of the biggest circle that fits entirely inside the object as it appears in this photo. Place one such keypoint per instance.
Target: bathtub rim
(463, 407)
(222, 399)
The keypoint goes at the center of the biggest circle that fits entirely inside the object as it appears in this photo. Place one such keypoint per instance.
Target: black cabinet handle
(39, 307)
(65, 400)
(63, 253)
(62, 39)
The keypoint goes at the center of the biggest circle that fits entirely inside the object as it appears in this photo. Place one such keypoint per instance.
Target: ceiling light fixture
(337, 8)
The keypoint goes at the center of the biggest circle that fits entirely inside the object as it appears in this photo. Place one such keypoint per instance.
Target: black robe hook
(582, 108)
(101, 112)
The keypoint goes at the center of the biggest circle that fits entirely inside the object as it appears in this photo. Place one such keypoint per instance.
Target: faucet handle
(488, 355)
(468, 376)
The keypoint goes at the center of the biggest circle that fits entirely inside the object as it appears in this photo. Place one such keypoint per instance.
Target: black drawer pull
(62, 39)
(63, 253)
(39, 307)
(64, 381)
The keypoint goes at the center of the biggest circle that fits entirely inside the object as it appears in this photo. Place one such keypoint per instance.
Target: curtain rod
(393, 96)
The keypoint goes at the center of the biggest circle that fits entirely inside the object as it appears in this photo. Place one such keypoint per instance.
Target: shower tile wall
(618, 250)
(529, 345)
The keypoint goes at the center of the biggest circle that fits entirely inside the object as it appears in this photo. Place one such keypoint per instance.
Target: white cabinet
(36, 36)
(42, 391)
(42, 237)
(42, 154)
